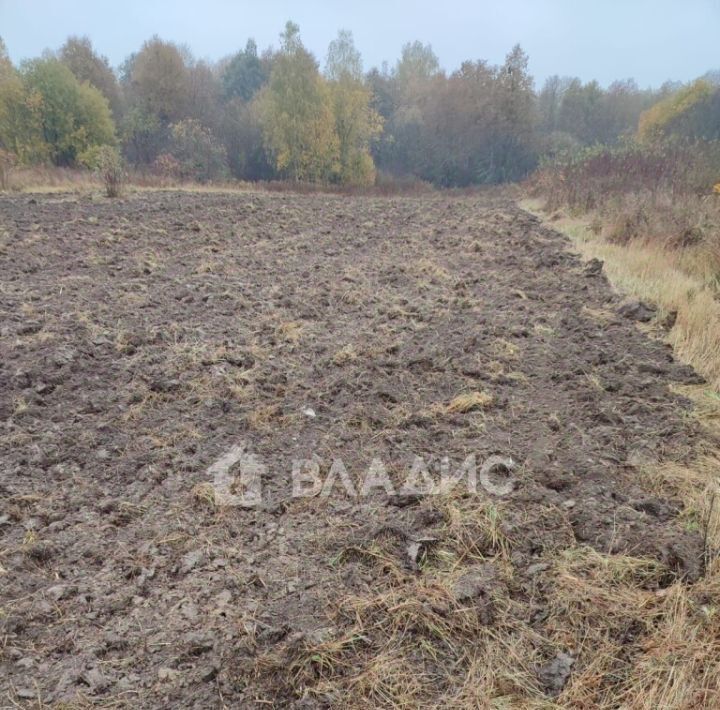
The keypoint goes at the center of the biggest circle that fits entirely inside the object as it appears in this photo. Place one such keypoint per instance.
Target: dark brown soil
(142, 338)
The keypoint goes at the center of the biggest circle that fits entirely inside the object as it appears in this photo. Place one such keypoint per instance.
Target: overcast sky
(650, 40)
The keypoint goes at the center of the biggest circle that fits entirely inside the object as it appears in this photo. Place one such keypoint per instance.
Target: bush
(588, 178)
(111, 169)
(167, 166)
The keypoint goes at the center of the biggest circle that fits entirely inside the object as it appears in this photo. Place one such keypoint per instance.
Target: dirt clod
(637, 310)
(554, 674)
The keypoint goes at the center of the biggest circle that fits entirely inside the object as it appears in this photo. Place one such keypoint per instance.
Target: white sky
(650, 40)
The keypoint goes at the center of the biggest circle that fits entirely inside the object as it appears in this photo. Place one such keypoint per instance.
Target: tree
(550, 101)
(357, 124)
(581, 111)
(5, 63)
(203, 94)
(515, 153)
(244, 75)
(72, 117)
(79, 56)
(297, 116)
(383, 101)
(459, 127)
(623, 102)
(143, 136)
(692, 112)
(158, 80)
(417, 64)
(415, 73)
(12, 121)
(242, 135)
(17, 129)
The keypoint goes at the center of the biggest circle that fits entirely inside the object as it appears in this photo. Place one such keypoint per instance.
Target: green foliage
(244, 75)
(242, 133)
(417, 64)
(580, 110)
(66, 117)
(404, 98)
(297, 115)
(275, 115)
(476, 126)
(203, 93)
(515, 152)
(587, 114)
(16, 120)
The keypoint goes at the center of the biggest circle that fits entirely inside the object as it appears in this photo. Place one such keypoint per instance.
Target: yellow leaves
(357, 124)
(716, 188)
(298, 121)
(655, 122)
(318, 130)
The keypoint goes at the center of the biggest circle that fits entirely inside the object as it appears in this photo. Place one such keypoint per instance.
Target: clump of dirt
(143, 338)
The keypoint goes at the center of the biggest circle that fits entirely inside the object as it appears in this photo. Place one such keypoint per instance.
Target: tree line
(280, 115)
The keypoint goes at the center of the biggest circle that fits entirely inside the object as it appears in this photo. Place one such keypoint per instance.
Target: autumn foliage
(280, 114)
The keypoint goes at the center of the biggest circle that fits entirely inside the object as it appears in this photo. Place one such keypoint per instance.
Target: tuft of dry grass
(469, 402)
(638, 638)
(290, 331)
(345, 355)
(205, 493)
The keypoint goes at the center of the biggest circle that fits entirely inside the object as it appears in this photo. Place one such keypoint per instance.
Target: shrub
(167, 166)
(111, 169)
(588, 178)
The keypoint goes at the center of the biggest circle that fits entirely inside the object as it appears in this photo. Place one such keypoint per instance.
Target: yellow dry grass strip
(655, 274)
(646, 646)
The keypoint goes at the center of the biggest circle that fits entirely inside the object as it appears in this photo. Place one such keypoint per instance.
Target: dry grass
(649, 645)
(469, 402)
(651, 272)
(414, 643)
(345, 355)
(53, 179)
